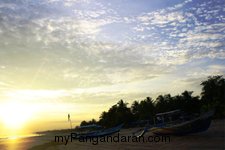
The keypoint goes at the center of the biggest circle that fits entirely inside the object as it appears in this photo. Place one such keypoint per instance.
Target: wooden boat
(101, 133)
(182, 127)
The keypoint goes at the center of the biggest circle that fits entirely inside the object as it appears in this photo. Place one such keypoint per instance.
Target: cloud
(84, 43)
(161, 18)
(189, 33)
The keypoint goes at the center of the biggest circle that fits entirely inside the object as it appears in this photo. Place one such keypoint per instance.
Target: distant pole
(70, 121)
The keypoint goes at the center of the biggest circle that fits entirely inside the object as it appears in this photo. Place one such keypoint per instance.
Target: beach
(213, 138)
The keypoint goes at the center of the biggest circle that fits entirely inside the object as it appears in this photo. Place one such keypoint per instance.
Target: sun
(15, 115)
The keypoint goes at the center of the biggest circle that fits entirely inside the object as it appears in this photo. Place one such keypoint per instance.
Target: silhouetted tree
(117, 114)
(162, 103)
(135, 109)
(84, 123)
(213, 94)
(144, 110)
(185, 102)
(189, 103)
(213, 97)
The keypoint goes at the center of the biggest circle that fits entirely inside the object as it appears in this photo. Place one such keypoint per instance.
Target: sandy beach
(213, 138)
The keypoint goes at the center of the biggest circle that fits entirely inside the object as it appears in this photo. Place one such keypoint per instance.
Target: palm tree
(213, 94)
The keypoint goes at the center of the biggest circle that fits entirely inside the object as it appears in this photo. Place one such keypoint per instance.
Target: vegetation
(212, 97)
(84, 123)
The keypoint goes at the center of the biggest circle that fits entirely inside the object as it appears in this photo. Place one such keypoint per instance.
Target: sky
(82, 56)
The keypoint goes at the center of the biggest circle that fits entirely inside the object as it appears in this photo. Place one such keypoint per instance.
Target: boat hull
(199, 124)
(101, 133)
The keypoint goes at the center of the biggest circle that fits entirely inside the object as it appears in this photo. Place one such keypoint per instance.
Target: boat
(94, 126)
(101, 133)
(182, 126)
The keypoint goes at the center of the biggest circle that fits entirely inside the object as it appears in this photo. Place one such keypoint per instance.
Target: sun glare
(14, 115)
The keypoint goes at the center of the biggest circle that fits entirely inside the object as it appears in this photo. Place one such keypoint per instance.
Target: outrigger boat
(101, 133)
(182, 124)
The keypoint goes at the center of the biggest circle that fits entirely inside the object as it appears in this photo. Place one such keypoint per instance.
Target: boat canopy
(168, 113)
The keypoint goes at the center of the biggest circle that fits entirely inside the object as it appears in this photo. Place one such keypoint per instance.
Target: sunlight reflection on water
(16, 142)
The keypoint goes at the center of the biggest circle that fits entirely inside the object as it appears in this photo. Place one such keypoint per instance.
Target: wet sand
(212, 139)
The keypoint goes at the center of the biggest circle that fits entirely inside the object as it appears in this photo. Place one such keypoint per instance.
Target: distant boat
(90, 126)
(101, 133)
(182, 125)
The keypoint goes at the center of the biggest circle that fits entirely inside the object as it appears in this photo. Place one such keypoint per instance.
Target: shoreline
(213, 138)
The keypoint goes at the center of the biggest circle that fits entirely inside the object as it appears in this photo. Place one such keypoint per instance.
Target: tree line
(212, 97)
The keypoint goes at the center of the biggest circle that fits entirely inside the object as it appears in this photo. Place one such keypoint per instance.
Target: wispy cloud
(82, 44)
